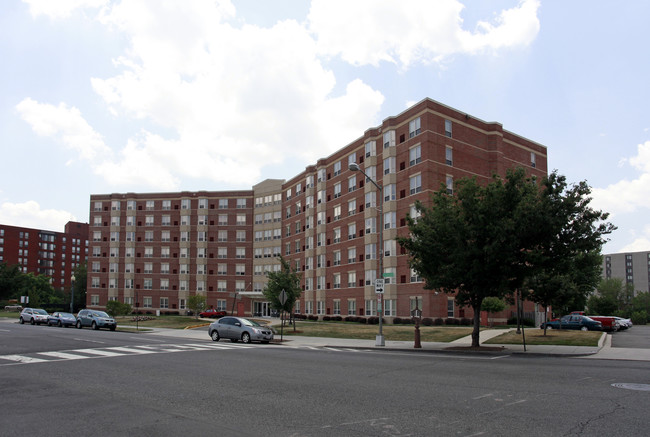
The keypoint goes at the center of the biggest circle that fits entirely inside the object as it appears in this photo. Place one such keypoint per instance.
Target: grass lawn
(368, 332)
(173, 322)
(557, 337)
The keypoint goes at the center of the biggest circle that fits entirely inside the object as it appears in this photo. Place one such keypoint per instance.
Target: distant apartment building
(49, 253)
(632, 268)
(158, 249)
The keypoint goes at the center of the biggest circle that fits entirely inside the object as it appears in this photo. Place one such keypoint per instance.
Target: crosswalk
(115, 351)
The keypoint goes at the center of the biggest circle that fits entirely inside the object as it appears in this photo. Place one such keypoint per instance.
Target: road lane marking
(22, 359)
(100, 352)
(63, 355)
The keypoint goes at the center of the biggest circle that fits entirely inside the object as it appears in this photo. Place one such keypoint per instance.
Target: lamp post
(379, 340)
(72, 294)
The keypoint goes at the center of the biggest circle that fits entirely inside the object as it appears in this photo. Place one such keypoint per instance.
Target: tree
(117, 308)
(473, 243)
(196, 303)
(488, 241)
(9, 279)
(493, 305)
(287, 279)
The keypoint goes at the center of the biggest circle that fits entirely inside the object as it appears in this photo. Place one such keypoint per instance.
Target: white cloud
(628, 196)
(371, 31)
(65, 124)
(60, 8)
(238, 99)
(30, 215)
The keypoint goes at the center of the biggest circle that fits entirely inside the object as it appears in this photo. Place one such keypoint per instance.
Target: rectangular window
(448, 128)
(164, 302)
(337, 168)
(370, 149)
(389, 139)
(389, 165)
(450, 307)
(533, 162)
(449, 155)
(450, 184)
(352, 307)
(390, 192)
(414, 127)
(415, 183)
(415, 155)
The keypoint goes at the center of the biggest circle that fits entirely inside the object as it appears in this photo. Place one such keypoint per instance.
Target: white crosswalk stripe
(116, 351)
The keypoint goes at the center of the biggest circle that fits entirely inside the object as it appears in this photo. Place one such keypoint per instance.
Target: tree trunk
(476, 332)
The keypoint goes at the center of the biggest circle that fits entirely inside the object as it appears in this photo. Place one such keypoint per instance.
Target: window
(166, 220)
(148, 268)
(371, 251)
(241, 203)
(164, 285)
(390, 307)
(223, 203)
(337, 258)
(337, 280)
(389, 165)
(371, 200)
(390, 247)
(115, 205)
(414, 276)
(164, 302)
(352, 183)
(450, 184)
(448, 128)
(370, 277)
(164, 268)
(148, 284)
(337, 168)
(320, 197)
(337, 306)
(164, 252)
(352, 231)
(415, 183)
(222, 236)
(352, 307)
(352, 207)
(298, 188)
(150, 205)
(148, 236)
(449, 155)
(415, 155)
(370, 149)
(321, 175)
(222, 252)
(450, 307)
(337, 235)
(203, 203)
(390, 192)
(389, 139)
(240, 269)
(94, 300)
(532, 160)
(337, 212)
(185, 204)
(241, 219)
(240, 252)
(166, 205)
(352, 279)
(337, 190)
(165, 236)
(223, 219)
(309, 181)
(115, 221)
(371, 225)
(370, 307)
(414, 127)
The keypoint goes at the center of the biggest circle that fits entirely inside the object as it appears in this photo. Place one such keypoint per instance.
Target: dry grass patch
(556, 337)
(368, 332)
(173, 322)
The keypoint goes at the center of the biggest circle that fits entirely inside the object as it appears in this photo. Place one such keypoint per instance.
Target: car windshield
(40, 312)
(100, 314)
(65, 315)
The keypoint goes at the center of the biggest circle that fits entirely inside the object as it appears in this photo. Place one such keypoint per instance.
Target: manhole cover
(632, 386)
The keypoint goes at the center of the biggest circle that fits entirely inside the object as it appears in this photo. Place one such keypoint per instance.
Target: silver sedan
(238, 328)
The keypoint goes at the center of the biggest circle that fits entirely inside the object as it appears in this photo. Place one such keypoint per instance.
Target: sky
(103, 96)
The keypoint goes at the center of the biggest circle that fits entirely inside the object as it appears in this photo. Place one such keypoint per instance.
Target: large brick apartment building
(43, 252)
(157, 249)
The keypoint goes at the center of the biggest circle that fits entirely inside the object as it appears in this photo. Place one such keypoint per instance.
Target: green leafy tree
(493, 305)
(80, 286)
(196, 303)
(10, 277)
(287, 279)
(487, 241)
(473, 243)
(116, 308)
(641, 302)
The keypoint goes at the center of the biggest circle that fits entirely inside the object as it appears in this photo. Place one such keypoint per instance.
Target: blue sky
(102, 96)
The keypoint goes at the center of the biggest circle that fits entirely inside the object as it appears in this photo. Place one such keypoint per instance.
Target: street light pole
(379, 341)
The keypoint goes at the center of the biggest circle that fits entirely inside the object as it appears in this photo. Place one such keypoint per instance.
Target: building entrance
(262, 309)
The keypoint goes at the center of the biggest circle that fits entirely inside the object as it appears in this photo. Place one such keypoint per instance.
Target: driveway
(637, 337)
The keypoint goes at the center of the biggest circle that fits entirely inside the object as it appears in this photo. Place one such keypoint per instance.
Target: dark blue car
(574, 321)
(61, 319)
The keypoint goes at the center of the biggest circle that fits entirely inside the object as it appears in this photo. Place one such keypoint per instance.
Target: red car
(212, 313)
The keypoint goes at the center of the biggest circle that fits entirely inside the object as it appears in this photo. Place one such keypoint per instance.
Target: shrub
(452, 321)
(639, 317)
(525, 321)
(337, 318)
(465, 321)
(397, 321)
(312, 317)
(326, 318)
(427, 321)
(407, 321)
(362, 320)
(438, 322)
(350, 319)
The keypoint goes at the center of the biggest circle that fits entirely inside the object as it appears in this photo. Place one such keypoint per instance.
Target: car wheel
(214, 335)
(94, 326)
(584, 328)
(78, 324)
(33, 322)
(246, 337)
(21, 321)
(60, 324)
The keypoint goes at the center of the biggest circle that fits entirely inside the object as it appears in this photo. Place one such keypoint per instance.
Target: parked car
(35, 316)
(18, 308)
(95, 319)
(608, 322)
(623, 323)
(212, 313)
(582, 323)
(61, 319)
(238, 328)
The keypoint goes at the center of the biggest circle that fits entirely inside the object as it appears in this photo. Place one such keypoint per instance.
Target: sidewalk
(603, 351)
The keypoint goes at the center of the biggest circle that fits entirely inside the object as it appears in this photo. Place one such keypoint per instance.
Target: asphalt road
(58, 382)
(636, 337)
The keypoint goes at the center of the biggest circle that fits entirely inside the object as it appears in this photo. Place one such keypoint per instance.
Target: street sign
(379, 286)
(283, 297)
(389, 275)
